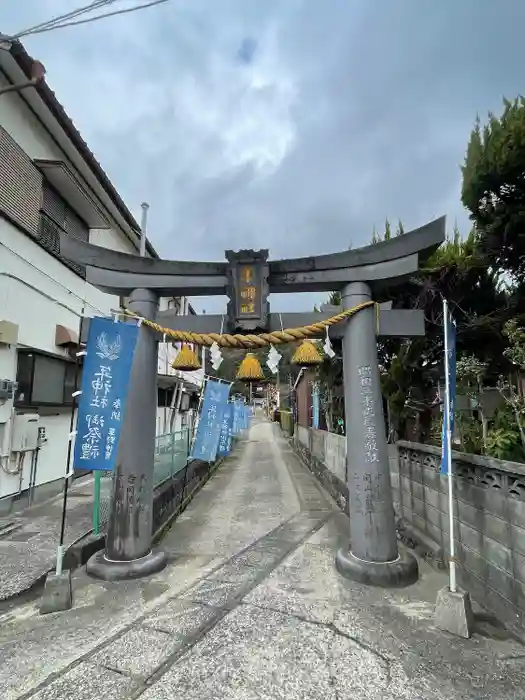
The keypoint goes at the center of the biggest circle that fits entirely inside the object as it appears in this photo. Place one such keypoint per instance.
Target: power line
(60, 18)
(103, 16)
(58, 23)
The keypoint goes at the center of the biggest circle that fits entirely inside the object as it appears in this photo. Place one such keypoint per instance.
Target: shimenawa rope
(238, 340)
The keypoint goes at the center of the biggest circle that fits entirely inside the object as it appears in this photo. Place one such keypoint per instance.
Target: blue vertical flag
(209, 429)
(450, 387)
(105, 380)
(225, 438)
(315, 406)
(237, 416)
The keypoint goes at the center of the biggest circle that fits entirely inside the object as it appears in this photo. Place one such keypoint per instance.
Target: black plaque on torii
(247, 290)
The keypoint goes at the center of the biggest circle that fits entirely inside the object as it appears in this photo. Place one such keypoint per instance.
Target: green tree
(470, 373)
(411, 369)
(335, 298)
(387, 234)
(493, 187)
(512, 390)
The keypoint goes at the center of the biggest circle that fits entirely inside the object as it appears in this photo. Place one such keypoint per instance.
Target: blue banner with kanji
(210, 420)
(105, 381)
(450, 391)
(237, 416)
(226, 436)
(315, 406)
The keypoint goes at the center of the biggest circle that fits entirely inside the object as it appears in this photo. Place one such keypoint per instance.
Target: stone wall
(325, 455)
(489, 513)
(318, 449)
(170, 496)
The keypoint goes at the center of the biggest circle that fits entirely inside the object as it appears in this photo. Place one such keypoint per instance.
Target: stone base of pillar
(100, 567)
(404, 571)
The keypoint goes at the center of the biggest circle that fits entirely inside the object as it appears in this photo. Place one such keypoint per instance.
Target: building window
(164, 397)
(44, 380)
(20, 193)
(56, 216)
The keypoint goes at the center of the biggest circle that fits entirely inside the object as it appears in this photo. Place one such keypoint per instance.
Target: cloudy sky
(296, 125)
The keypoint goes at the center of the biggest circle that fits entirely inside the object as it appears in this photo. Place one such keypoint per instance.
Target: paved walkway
(250, 607)
(29, 539)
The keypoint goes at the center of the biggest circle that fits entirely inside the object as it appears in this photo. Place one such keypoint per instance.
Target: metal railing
(171, 456)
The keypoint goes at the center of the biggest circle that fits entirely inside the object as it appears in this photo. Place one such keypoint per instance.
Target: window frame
(67, 386)
(46, 215)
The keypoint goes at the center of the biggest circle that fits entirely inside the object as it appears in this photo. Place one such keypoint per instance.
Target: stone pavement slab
(34, 648)
(397, 626)
(257, 611)
(305, 632)
(259, 653)
(138, 652)
(28, 552)
(153, 642)
(180, 618)
(211, 529)
(87, 682)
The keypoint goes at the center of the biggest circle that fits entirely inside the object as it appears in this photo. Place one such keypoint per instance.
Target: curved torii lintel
(97, 256)
(388, 261)
(422, 241)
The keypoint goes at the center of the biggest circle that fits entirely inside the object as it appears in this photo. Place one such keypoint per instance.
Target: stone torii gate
(247, 278)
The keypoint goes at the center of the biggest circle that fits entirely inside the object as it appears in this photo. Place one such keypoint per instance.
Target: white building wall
(37, 292)
(169, 418)
(182, 380)
(25, 127)
(108, 238)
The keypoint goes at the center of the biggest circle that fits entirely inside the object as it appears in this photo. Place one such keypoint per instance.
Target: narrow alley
(250, 606)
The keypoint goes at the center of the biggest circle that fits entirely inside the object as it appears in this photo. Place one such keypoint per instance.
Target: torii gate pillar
(128, 553)
(373, 556)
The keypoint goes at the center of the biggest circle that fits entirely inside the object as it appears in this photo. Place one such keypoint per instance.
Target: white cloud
(348, 112)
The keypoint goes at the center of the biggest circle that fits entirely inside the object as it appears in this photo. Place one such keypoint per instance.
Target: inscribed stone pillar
(128, 552)
(373, 555)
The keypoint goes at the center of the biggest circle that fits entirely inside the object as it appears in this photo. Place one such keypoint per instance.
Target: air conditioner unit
(25, 432)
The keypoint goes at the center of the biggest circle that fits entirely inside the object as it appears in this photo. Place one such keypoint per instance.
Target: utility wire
(58, 22)
(60, 18)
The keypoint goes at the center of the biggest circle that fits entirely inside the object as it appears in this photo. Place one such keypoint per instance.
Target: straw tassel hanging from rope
(250, 369)
(186, 360)
(307, 355)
